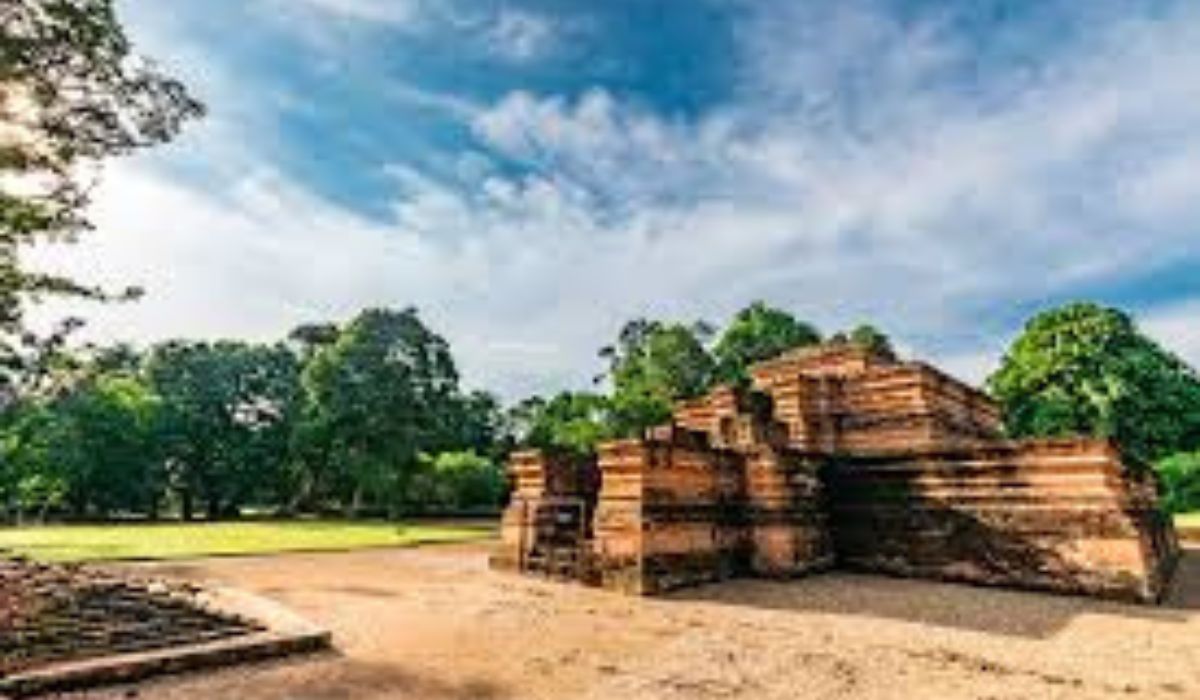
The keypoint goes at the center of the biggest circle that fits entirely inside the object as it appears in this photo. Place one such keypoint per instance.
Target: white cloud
(913, 207)
(518, 35)
(503, 32)
(391, 12)
(1177, 328)
(899, 197)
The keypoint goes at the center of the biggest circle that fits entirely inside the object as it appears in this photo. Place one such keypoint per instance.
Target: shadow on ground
(959, 606)
(327, 676)
(350, 679)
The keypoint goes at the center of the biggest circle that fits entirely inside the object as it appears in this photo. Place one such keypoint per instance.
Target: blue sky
(530, 174)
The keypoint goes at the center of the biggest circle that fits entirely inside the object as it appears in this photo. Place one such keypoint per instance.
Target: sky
(530, 174)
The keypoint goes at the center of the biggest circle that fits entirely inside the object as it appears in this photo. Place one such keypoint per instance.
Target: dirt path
(436, 624)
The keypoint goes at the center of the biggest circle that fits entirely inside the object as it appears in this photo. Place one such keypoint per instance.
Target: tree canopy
(573, 422)
(226, 409)
(385, 392)
(653, 365)
(866, 336)
(212, 428)
(72, 93)
(1181, 480)
(1086, 369)
(758, 332)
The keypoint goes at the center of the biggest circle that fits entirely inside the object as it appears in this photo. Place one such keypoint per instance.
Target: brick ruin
(838, 456)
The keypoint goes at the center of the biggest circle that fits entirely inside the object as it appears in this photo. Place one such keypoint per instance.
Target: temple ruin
(839, 456)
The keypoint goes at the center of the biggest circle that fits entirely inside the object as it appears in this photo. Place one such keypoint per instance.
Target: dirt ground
(436, 624)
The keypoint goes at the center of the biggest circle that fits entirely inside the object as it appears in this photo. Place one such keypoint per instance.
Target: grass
(1189, 520)
(189, 540)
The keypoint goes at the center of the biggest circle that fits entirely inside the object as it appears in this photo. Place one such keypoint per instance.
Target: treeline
(364, 418)
(369, 417)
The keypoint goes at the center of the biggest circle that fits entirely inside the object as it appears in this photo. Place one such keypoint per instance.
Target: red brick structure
(847, 457)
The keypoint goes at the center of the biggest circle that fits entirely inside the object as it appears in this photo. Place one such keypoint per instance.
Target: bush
(458, 482)
(1181, 477)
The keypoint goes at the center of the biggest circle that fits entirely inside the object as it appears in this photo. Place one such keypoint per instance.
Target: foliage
(573, 422)
(866, 336)
(71, 94)
(758, 332)
(653, 365)
(1180, 475)
(458, 482)
(345, 422)
(870, 337)
(385, 392)
(225, 419)
(309, 338)
(104, 441)
(1086, 369)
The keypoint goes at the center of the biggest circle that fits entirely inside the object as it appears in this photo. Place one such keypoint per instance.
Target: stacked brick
(549, 516)
(1072, 516)
(670, 513)
(786, 516)
(850, 400)
(843, 455)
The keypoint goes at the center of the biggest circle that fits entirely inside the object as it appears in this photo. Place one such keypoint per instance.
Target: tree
(1181, 480)
(227, 410)
(103, 435)
(869, 337)
(574, 422)
(1085, 369)
(71, 94)
(474, 424)
(866, 336)
(652, 366)
(758, 332)
(309, 338)
(33, 476)
(376, 399)
(457, 482)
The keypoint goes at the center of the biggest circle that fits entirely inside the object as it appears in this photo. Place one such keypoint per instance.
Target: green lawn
(1191, 520)
(178, 541)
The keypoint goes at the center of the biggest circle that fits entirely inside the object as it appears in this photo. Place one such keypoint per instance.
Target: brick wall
(1071, 516)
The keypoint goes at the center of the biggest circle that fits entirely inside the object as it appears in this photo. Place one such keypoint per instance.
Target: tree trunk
(187, 503)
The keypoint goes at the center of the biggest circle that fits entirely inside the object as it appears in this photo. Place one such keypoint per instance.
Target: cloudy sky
(532, 173)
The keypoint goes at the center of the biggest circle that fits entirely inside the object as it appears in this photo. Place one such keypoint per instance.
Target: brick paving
(53, 614)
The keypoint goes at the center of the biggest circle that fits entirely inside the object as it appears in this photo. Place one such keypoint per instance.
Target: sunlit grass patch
(181, 541)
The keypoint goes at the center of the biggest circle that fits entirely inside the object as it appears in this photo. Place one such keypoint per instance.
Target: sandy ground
(435, 623)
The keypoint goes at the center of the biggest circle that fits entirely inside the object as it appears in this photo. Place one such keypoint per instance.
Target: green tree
(653, 365)
(309, 338)
(107, 447)
(32, 474)
(574, 422)
(71, 94)
(1086, 369)
(457, 482)
(1181, 479)
(376, 399)
(474, 424)
(866, 336)
(758, 332)
(227, 410)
